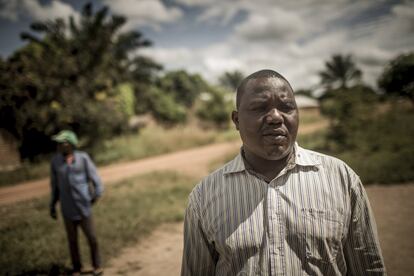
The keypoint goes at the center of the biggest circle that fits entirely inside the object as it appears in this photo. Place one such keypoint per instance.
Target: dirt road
(160, 253)
(187, 161)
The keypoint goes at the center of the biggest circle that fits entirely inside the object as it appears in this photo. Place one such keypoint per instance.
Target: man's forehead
(261, 86)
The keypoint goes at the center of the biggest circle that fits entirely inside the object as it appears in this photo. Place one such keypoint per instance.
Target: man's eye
(258, 108)
(287, 107)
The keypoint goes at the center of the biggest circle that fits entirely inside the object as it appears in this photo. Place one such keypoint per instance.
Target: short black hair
(265, 73)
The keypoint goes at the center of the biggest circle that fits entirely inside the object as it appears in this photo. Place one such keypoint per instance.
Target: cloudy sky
(213, 36)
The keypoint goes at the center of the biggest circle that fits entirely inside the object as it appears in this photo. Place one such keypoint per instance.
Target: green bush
(164, 107)
(348, 109)
(215, 107)
(374, 138)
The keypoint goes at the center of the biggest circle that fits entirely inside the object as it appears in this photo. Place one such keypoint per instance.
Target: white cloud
(144, 12)
(297, 37)
(33, 9)
(274, 24)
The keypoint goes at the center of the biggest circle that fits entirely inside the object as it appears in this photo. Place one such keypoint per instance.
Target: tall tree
(183, 86)
(231, 79)
(398, 77)
(339, 72)
(67, 76)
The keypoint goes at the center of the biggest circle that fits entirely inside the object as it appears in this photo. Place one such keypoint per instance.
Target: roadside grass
(156, 140)
(310, 116)
(28, 171)
(32, 243)
(153, 140)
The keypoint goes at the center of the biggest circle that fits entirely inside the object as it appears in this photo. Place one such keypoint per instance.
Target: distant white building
(305, 102)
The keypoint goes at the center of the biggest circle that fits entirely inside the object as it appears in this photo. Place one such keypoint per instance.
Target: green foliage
(164, 107)
(182, 86)
(339, 72)
(127, 213)
(397, 78)
(304, 92)
(374, 138)
(126, 99)
(384, 152)
(215, 107)
(348, 109)
(231, 80)
(68, 78)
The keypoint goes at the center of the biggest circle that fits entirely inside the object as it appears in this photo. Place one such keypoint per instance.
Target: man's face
(267, 118)
(65, 148)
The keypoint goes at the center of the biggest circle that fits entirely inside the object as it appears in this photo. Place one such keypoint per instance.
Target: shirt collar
(302, 158)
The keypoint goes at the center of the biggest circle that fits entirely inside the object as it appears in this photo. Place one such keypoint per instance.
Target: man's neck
(268, 168)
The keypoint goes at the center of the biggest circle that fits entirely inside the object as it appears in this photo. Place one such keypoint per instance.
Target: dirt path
(193, 161)
(187, 161)
(160, 253)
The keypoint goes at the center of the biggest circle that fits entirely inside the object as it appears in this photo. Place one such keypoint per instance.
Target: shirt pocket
(322, 233)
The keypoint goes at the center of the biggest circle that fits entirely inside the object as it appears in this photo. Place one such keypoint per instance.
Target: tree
(231, 80)
(184, 87)
(69, 77)
(215, 107)
(349, 110)
(339, 72)
(304, 92)
(398, 77)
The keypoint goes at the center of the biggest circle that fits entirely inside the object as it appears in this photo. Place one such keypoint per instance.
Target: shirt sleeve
(54, 197)
(362, 249)
(199, 256)
(93, 177)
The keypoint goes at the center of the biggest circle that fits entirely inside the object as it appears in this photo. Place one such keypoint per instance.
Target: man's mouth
(275, 132)
(275, 136)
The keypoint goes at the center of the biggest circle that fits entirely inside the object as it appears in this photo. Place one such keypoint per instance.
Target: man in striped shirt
(278, 209)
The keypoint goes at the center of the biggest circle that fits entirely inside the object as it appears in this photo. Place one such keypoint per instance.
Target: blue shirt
(70, 185)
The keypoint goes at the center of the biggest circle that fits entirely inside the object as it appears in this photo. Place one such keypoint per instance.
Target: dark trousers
(88, 229)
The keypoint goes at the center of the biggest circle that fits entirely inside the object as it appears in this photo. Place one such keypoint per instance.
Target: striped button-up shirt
(314, 218)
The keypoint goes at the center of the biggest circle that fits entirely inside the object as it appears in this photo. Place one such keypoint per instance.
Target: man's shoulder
(328, 162)
(216, 178)
(81, 154)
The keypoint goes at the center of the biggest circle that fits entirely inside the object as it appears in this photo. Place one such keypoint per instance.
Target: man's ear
(235, 118)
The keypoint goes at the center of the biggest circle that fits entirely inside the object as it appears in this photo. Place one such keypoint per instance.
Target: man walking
(278, 209)
(72, 171)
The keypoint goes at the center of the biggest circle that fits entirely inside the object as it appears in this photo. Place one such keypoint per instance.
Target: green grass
(150, 141)
(308, 117)
(157, 140)
(27, 171)
(33, 243)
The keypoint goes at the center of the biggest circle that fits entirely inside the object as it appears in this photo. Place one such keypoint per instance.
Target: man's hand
(53, 213)
(94, 200)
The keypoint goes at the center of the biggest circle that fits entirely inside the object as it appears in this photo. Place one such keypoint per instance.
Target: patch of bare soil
(393, 208)
(160, 253)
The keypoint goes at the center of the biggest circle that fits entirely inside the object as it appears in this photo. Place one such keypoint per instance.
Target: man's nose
(274, 117)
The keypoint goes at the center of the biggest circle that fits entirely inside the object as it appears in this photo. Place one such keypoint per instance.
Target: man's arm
(54, 197)
(362, 249)
(199, 256)
(94, 178)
